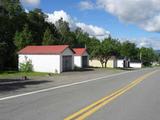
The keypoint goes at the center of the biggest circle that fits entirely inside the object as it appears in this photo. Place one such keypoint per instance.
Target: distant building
(111, 63)
(126, 63)
(135, 64)
(123, 63)
(81, 57)
(95, 63)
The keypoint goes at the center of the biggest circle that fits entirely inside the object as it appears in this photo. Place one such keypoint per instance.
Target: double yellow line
(87, 111)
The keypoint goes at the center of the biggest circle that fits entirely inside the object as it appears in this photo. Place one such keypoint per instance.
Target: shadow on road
(82, 70)
(15, 84)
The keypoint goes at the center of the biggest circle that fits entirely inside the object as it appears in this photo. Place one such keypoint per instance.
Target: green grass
(5, 74)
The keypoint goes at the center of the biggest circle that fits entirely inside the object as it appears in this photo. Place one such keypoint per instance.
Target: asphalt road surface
(133, 95)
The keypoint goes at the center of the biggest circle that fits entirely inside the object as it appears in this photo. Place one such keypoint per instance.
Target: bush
(26, 67)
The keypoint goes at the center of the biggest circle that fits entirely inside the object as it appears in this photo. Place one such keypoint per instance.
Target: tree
(48, 38)
(147, 56)
(11, 8)
(62, 26)
(3, 54)
(129, 50)
(36, 22)
(99, 54)
(67, 37)
(23, 38)
(108, 47)
(92, 45)
(82, 37)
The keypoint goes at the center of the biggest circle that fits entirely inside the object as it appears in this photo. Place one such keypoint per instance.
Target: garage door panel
(85, 61)
(67, 63)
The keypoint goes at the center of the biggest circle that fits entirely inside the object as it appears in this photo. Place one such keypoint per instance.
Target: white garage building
(51, 59)
(81, 57)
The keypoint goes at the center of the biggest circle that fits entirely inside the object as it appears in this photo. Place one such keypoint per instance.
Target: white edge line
(62, 86)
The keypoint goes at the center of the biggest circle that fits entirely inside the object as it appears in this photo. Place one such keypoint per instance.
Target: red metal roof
(79, 51)
(52, 49)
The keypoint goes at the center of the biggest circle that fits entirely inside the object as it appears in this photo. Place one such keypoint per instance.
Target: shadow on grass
(7, 85)
(8, 72)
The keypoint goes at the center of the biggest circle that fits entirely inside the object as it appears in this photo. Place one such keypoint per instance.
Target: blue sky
(98, 14)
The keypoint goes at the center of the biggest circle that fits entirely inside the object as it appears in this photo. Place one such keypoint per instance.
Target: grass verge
(14, 74)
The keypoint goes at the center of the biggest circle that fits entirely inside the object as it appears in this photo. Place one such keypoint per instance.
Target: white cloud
(143, 13)
(93, 31)
(61, 14)
(149, 42)
(31, 2)
(145, 42)
(26, 10)
(86, 5)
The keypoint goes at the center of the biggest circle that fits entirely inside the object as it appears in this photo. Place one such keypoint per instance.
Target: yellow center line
(87, 111)
(104, 103)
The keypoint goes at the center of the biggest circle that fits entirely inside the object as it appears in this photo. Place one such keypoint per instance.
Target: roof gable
(52, 49)
(79, 51)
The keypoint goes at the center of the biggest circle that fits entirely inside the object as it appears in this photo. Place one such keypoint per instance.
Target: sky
(134, 20)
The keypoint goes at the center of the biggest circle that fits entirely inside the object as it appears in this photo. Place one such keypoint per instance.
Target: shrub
(26, 67)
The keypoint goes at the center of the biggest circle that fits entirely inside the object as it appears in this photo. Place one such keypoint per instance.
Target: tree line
(19, 29)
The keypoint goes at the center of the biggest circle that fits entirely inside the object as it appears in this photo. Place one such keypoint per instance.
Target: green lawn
(6, 74)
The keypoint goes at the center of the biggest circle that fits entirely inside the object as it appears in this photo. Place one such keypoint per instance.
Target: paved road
(11, 86)
(137, 98)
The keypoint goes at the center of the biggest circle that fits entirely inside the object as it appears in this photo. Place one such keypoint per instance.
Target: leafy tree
(11, 8)
(67, 37)
(110, 47)
(23, 38)
(48, 38)
(3, 54)
(107, 49)
(129, 50)
(92, 45)
(62, 26)
(147, 56)
(36, 21)
(99, 54)
(6, 36)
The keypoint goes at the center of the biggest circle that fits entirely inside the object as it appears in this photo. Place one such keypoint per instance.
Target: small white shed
(122, 63)
(81, 57)
(51, 59)
(135, 64)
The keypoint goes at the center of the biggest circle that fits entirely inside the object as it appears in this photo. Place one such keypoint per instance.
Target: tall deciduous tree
(36, 21)
(129, 50)
(62, 26)
(108, 48)
(48, 38)
(67, 37)
(3, 54)
(147, 56)
(23, 38)
(11, 7)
